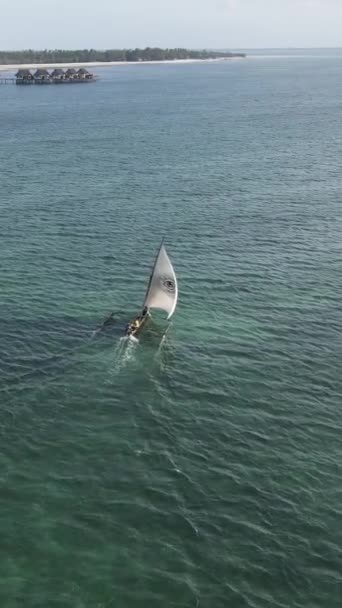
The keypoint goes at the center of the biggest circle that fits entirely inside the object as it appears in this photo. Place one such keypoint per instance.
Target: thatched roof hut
(57, 76)
(41, 74)
(57, 73)
(83, 74)
(24, 75)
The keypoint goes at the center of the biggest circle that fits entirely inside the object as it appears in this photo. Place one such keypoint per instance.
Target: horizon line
(201, 48)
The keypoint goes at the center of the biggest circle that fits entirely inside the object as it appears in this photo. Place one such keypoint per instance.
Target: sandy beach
(103, 64)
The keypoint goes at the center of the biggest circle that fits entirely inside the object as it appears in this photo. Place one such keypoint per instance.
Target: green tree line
(86, 55)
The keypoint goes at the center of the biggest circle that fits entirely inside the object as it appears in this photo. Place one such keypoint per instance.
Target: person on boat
(132, 327)
(138, 321)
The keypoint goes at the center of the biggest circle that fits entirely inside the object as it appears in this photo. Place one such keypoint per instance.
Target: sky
(229, 24)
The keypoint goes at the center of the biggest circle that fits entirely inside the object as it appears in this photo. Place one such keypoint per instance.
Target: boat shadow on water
(151, 347)
(38, 351)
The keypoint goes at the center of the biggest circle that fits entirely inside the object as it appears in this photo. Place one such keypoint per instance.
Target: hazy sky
(169, 23)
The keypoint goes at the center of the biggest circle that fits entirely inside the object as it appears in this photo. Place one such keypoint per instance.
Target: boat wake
(132, 338)
(164, 336)
(163, 348)
(124, 352)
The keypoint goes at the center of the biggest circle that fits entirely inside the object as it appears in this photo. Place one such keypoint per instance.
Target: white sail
(162, 291)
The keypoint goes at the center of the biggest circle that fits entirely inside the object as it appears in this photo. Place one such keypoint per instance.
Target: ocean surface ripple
(200, 468)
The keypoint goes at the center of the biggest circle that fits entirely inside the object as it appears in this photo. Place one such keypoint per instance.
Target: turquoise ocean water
(203, 469)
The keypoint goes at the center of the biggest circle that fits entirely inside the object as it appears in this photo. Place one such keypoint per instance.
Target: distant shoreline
(102, 64)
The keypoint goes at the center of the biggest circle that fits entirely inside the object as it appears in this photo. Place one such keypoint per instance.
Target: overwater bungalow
(70, 73)
(42, 76)
(24, 77)
(83, 74)
(58, 74)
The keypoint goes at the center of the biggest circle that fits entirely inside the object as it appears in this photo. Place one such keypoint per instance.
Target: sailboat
(161, 293)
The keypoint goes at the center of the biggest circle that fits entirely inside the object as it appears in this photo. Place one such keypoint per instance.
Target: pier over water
(7, 80)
